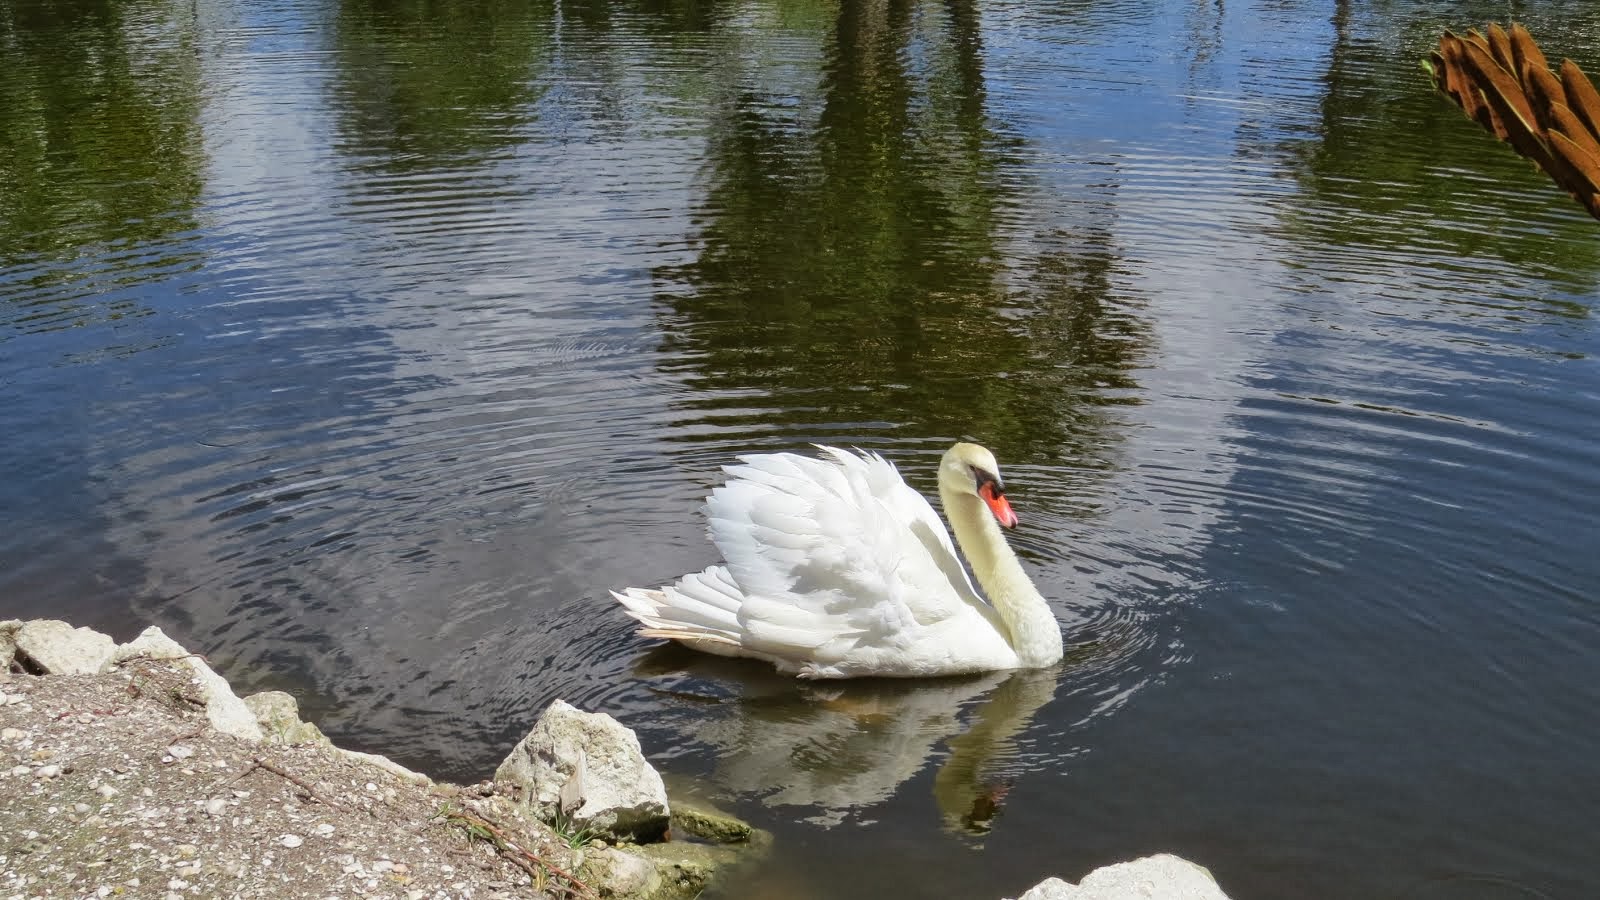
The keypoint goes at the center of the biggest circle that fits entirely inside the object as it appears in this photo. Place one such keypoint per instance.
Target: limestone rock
(1051, 889)
(52, 647)
(384, 763)
(618, 794)
(1159, 877)
(226, 712)
(279, 717)
(278, 714)
(8, 643)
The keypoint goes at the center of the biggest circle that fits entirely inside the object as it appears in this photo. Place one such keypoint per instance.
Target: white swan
(836, 568)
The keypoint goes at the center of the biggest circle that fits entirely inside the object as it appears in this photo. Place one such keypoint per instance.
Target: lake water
(363, 346)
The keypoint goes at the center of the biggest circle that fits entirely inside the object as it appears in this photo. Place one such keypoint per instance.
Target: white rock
(324, 830)
(620, 793)
(8, 642)
(292, 840)
(59, 649)
(226, 712)
(180, 751)
(12, 734)
(216, 806)
(1159, 877)
(386, 764)
(47, 771)
(278, 714)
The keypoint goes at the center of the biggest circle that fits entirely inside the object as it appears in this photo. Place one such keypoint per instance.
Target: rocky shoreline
(134, 770)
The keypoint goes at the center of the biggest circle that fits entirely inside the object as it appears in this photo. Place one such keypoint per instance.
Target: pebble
(216, 806)
(180, 751)
(81, 808)
(187, 851)
(50, 771)
(382, 866)
(12, 734)
(292, 840)
(19, 771)
(107, 791)
(15, 698)
(325, 830)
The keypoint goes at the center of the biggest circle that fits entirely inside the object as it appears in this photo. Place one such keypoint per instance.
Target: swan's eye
(983, 478)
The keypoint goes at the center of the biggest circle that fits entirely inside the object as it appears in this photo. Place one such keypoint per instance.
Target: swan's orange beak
(998, 504)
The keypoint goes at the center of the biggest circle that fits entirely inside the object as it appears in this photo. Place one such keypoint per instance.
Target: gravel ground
(114, 785)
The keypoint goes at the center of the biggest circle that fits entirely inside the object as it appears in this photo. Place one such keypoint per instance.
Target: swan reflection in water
(840, 748)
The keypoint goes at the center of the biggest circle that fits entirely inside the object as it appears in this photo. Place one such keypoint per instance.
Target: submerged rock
(1159, 877)
(588, 769)
(705, 843)
(627, 874)
(53, 647)
(709, 826)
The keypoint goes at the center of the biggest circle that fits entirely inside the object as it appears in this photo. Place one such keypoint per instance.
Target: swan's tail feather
(701, 610)
(707, 611)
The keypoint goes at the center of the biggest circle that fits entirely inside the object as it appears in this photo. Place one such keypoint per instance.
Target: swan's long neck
(1035, 634)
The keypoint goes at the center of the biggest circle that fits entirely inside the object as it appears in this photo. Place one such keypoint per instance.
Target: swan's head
(971, 469)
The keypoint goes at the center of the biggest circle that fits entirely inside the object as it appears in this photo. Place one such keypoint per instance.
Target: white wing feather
(835, 553)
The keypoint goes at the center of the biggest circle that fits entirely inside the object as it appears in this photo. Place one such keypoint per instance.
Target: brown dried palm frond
(1503, 83)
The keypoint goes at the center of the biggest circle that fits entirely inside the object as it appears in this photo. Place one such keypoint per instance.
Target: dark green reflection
(423, 82)
(654, 17)
(1394, 164)
(99, 136)
(859, 261)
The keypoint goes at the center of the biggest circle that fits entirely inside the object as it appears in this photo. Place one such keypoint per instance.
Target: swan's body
(836, 568)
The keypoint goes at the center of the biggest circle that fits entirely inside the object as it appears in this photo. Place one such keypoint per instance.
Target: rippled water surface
(364, 345)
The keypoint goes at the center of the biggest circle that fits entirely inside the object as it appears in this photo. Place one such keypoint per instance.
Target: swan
(836, 568)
